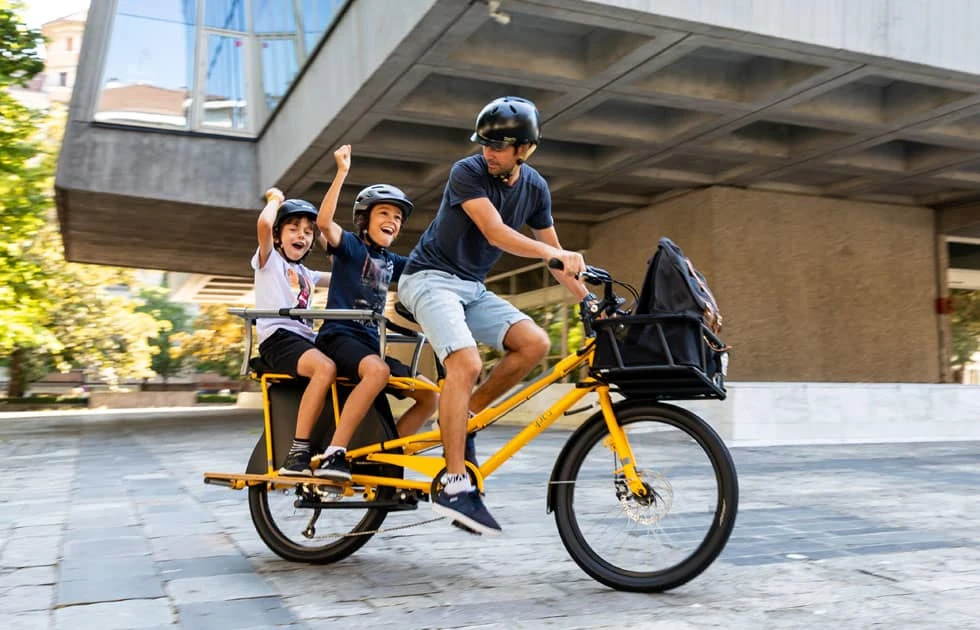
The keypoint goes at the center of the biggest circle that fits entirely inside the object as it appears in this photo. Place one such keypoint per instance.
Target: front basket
(666, 357)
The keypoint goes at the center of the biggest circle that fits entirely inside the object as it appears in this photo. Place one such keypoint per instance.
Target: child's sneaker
(334, 466)
(297, 464)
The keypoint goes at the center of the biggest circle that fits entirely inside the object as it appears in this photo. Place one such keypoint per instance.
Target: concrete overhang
(636, 106)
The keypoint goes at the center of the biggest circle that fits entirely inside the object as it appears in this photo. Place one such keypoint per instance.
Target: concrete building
(815, 159)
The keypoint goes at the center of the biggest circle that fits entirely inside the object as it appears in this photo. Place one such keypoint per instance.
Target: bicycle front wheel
(672, 532)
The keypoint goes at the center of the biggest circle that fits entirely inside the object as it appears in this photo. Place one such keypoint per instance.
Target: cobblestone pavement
(105, 524)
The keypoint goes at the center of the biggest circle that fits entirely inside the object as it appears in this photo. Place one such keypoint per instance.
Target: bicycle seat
(403, 311)
(259, 366)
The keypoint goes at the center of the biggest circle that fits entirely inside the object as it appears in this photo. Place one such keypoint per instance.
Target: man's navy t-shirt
(360, 279)
(454, 244)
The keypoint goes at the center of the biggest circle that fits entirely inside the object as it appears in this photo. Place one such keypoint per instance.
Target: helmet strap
(506, 177)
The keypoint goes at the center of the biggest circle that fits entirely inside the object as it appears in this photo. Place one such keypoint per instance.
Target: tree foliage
(965, 324)
(53, 314)
(215, 343)
(19, 60)
(172, 318)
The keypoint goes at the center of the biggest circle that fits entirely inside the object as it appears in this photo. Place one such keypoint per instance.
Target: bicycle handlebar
(610, 302)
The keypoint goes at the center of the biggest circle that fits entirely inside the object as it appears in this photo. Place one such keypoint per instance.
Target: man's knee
(529, 340)
(464, 364)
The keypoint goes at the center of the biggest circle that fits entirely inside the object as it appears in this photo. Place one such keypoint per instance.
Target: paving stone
(241, 614)
(219, 588)
(126, 615)
(835, 535)
(37, 620)
(25, 598)
(108, 588)
(203, 567)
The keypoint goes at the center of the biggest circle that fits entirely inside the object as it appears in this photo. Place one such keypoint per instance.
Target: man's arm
(328, 207)
(550, 237)
(504, 237)
(267, 218)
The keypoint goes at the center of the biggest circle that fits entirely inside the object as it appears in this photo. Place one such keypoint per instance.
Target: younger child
(363, 268)
(286, 231)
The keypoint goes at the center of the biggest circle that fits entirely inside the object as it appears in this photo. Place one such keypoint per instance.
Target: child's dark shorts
(282, 350)
(347, 351)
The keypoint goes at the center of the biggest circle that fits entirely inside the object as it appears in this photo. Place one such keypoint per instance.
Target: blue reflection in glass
(149, 65)
(151, 75)
(225, 102)
(225, 14)
(279, 66)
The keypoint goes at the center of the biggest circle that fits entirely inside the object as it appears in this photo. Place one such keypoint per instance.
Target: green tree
(19, 60)
(215, 343)
(25, 175)
(965, 324)
(172, 318)
(53, 314)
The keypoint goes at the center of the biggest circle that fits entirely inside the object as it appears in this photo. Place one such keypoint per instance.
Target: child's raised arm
(328, 208)
(267, 219)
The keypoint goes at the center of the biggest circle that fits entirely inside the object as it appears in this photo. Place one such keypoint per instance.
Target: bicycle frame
(412, 446)
(430, 466)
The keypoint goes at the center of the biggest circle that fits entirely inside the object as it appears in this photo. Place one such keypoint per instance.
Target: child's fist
(342, 156)
(274, 193)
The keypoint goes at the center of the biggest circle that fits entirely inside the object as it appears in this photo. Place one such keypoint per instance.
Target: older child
(363, 268)
(286, 232)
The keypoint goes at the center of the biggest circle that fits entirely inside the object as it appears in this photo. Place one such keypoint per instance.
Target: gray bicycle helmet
(292, 208)
(507, 121)
(379, 193)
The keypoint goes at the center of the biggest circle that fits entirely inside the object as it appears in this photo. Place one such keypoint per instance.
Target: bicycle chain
(384, 530)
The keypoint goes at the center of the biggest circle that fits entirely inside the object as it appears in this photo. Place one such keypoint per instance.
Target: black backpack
(673, 286)
(667, 347)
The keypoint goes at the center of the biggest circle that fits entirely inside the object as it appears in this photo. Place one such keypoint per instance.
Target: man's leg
(462, 370)
(526, 345)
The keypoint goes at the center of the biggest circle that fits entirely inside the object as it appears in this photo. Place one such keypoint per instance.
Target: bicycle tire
(620, 543)
(280, 524)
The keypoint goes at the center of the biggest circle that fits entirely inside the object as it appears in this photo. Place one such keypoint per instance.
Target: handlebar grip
(554, 263)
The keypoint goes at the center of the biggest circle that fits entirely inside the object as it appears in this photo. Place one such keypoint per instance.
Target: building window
(62, 79)
(216, 65)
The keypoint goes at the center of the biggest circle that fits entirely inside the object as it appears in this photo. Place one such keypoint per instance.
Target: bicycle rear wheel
(285, 525)
(660, 541)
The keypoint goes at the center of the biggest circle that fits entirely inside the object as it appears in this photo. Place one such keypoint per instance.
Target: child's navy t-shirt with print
(361, 277)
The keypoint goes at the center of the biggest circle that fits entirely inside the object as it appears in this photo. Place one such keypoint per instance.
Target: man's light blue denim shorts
(456, 313)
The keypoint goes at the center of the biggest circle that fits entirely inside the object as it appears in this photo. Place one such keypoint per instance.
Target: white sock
(455, 484)
(333, 449)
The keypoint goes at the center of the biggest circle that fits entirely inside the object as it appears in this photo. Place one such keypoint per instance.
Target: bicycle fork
(621, 446)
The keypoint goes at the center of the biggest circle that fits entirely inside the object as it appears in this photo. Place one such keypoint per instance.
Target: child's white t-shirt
(282, 284)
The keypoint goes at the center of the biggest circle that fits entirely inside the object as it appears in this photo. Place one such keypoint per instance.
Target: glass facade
(220, 66)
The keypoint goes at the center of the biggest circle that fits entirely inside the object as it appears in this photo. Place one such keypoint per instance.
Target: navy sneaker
(297, 464)
(467, 508)
(334, 467)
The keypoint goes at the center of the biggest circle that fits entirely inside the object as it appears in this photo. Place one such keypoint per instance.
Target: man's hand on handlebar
(572, 263)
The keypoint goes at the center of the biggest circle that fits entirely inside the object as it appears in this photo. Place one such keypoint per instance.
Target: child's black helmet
(507, 121)
(379, 193)
(292, 208)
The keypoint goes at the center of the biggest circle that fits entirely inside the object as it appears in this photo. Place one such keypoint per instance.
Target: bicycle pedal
(466, 528)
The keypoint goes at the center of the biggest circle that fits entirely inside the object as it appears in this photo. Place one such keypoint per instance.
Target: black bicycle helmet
(379, 193)
(507, 121)
(292, 208)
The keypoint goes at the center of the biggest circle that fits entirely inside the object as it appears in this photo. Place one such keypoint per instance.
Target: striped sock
(299, 446)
